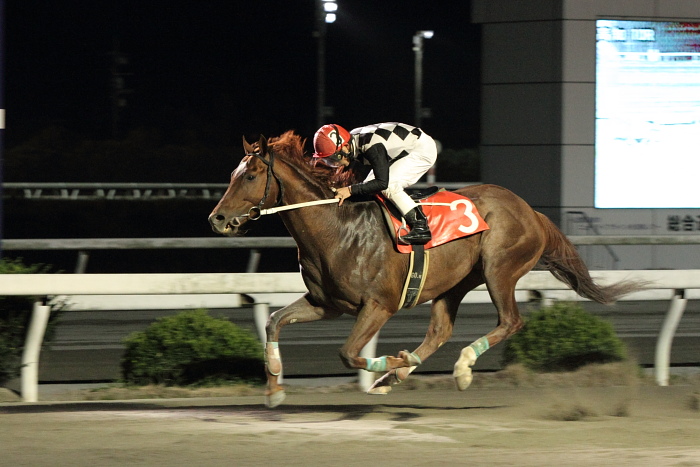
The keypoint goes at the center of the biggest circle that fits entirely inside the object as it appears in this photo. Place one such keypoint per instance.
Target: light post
(418, 49)
(325, 13)
(418, 95)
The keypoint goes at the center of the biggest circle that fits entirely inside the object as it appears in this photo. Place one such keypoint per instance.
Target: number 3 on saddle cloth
(450, 216)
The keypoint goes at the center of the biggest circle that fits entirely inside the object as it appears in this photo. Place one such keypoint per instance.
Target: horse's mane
(290, 147)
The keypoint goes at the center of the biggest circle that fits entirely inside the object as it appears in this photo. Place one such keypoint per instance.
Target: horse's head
(251, 189)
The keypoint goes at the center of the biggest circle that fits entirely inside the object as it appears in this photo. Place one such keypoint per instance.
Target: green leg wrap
(414, 359)
(376, 364)
(480, 346)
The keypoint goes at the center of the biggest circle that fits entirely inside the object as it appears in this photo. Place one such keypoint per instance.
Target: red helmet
(329, 140)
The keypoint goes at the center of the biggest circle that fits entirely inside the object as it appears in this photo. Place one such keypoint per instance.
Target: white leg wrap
(273, 361)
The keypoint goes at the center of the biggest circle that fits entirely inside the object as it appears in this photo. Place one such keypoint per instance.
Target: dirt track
(620, 426)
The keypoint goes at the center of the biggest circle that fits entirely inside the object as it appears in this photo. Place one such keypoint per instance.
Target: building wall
(538, 118)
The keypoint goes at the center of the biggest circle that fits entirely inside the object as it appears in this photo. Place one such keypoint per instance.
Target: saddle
(450, 216)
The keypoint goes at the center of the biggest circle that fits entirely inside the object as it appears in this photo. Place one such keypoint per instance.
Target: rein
(256, 212)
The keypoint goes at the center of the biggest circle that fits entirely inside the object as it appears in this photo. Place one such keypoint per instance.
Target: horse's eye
(250, 177)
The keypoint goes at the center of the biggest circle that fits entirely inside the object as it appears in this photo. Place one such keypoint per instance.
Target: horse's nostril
(216, 219)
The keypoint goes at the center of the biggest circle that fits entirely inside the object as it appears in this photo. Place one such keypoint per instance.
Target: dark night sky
(245, 67)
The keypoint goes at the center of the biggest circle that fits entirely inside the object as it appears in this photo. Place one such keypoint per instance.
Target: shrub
(563, 337)
(15, 314)
(192, 348)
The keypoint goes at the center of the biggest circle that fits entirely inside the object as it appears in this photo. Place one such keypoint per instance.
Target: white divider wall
(44, 285)
(275, 282)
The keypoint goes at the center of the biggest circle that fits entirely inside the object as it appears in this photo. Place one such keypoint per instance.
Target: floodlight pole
(321, 70)
(325, 13)
(418, 94)
(2, 113)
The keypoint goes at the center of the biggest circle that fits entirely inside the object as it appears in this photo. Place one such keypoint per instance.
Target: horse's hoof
(463, 372)
(402, 373)
(382, 385)
(379, 390)
(463, 380)
(275, 399)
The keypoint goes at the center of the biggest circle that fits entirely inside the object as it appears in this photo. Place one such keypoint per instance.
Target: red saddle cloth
(454, 216)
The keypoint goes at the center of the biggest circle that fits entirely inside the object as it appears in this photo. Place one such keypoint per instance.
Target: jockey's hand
(342, 194)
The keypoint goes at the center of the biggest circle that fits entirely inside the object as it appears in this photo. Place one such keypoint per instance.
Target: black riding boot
(420, 232)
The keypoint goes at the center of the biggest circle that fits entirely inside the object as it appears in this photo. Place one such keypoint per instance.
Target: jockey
(398, 155)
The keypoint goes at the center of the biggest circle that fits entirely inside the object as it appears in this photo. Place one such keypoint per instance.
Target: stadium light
(330, 7)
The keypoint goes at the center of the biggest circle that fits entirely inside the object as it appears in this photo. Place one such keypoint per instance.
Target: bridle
(255, 212)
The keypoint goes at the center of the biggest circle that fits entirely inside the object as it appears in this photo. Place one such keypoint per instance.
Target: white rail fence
(676, 286)
(280, 242)
(255, 244)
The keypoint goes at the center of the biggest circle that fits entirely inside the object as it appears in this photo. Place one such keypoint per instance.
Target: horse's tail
(561, 258)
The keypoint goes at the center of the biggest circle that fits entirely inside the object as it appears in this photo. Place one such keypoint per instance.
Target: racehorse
(349, 262)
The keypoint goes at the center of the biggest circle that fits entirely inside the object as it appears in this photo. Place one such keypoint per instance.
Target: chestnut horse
(350, 264)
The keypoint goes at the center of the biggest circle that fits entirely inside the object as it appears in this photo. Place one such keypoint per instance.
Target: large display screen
(647, 140)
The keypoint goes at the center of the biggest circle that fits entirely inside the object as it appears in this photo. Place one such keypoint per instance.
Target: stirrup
(421, 238)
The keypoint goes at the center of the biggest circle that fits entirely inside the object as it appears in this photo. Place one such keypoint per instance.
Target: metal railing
(137, 191)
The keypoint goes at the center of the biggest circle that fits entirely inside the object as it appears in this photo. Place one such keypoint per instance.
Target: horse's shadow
(395, 412)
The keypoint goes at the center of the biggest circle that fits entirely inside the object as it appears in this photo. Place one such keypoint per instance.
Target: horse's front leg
(442, 318)
(370, 320)
(300, 311)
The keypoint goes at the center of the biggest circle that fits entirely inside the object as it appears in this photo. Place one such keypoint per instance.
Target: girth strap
(417, 273)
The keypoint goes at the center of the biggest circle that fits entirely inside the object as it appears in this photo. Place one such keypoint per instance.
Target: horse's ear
(262, 143)
(247, 147)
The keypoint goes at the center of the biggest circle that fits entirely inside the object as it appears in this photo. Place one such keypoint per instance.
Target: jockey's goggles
(337, 156)
(334, 159)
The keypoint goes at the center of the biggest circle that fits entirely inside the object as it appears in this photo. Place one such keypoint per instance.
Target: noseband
(255, 212)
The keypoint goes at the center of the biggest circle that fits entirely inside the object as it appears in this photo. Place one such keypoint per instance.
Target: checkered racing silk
(397, 138)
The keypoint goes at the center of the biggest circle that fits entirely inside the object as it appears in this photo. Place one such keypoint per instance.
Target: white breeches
(407, 171)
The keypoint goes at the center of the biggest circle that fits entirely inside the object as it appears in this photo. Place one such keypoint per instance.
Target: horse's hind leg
(442, 318)
(300, 311)
(502, 292)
